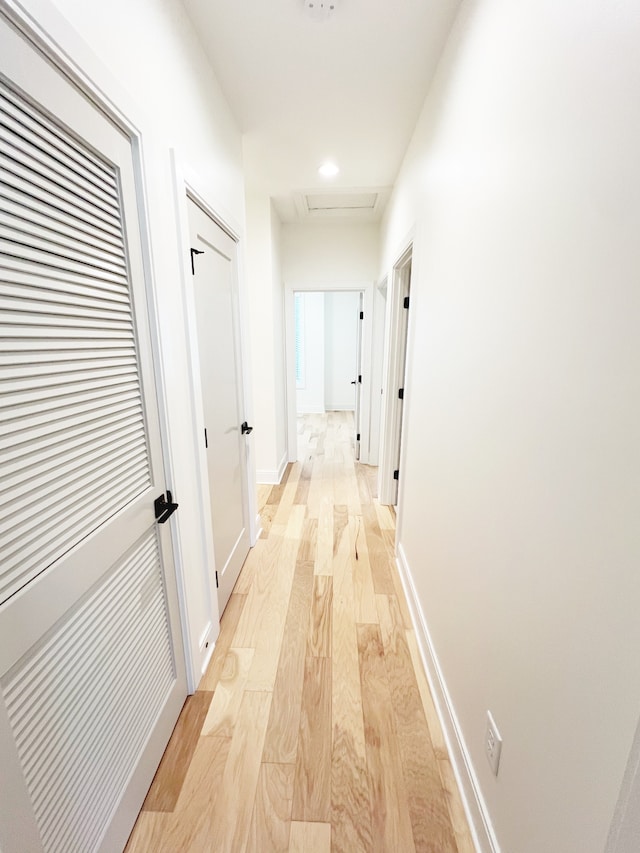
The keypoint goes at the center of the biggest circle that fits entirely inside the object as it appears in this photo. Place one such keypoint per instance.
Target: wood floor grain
(167, 784)
(312, 789)
(313, 729)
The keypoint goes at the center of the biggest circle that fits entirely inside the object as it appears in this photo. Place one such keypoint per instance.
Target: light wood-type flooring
(313, 729)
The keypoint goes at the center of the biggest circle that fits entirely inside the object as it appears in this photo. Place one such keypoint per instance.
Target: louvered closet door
(91, 672)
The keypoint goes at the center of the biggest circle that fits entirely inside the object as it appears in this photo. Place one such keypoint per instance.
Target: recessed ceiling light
(328, 170)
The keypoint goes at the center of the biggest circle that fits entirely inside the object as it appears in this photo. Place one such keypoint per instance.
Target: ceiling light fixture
(328, 170)
(320, 10)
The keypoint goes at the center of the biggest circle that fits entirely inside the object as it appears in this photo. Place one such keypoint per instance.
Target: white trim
(623, 833)
(474, 805)
(258, 528)
(311, 410)
(271, 477)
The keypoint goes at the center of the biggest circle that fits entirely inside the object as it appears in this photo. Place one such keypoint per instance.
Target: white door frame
(396, 345)
(185, 186)
(366, 288)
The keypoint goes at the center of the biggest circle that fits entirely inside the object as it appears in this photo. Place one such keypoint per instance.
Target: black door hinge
(245, 429)
(358, 436)
(400, 393)
(164, 507)
(406, 302)
(195, 252)
(361, 315)
(396, 474)
(206, 440)
(216, 580)
(360, 379)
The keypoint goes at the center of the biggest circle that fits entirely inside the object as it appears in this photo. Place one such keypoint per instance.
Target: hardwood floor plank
(288, 494)
(319, 643)
(433, 720)
(308, 550)
(430, 820)
(312, 789)
(277, 491)
(363, 586)
(281, 743)
(310, 837)
(464, 840)
(350, 802)
(193, 825)
(271, 819)
(302, 492)
(167, 783)
(234, 805)
(272, 616)
(228, 625)
(225, 705)
(325, 537)
(148, 833)
(260, 589)
(378, 553)
(386, 520)
(391, 821)
(316, 490)
(341, 539)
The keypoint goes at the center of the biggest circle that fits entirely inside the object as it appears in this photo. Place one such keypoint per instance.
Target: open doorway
(328, 341)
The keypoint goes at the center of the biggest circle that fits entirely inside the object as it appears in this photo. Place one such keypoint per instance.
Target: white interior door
(217, 318)
(403, 327)
(395, 370)
(91, 664)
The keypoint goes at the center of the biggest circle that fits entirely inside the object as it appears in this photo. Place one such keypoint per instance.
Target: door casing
(201, 637)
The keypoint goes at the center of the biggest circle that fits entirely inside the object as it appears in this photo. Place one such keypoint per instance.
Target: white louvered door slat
(91, 669)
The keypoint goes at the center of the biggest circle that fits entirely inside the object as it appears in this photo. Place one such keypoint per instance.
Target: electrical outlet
(492, 744)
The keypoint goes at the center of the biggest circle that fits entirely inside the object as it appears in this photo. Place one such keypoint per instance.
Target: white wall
(520, 481)
(310, 395)
(266, 327)
(341, 333)
(279, 370)
(148, 61)
(329, 254)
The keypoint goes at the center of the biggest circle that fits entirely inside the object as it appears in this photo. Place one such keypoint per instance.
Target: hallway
(313, 728)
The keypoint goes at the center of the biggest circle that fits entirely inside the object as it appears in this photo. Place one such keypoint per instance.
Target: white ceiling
(349, 89)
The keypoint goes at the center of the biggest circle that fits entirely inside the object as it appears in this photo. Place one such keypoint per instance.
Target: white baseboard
(272, 478)
(472, 799)
(347, 408)
(311, 410)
